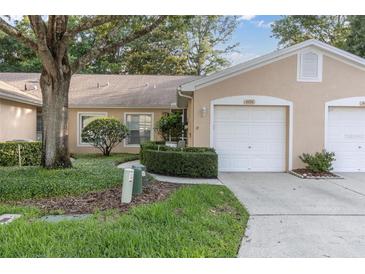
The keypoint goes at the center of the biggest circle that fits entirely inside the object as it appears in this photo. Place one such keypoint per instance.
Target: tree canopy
(331, 29)
(356, 40)
(181, 45)
(345, 32)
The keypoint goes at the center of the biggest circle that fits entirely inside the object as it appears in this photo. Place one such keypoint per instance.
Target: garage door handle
(249, 147)
(360, 146)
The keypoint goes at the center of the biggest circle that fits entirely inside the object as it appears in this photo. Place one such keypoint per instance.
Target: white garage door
(250, 138)
(346, 137)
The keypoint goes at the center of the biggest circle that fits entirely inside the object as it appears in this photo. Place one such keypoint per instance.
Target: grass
(196, 221)
(89, 172)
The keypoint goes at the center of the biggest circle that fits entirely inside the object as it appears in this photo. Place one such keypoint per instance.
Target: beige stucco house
(18, 114)
(262, 114)
(138, 100)
(259, 115)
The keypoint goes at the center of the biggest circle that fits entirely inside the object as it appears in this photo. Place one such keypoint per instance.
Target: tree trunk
(55, 119)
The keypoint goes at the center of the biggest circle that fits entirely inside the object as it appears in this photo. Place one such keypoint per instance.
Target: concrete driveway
(292, 217)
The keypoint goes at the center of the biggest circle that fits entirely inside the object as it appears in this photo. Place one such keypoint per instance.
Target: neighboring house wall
(119, 113)
(17, 121)
(279, 79)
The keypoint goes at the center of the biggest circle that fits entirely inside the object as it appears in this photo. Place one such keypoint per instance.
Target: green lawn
(196, 221)
(89, 172)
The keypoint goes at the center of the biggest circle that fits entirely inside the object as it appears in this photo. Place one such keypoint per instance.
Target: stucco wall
(17, 121)
(111, 112)
(278, 79)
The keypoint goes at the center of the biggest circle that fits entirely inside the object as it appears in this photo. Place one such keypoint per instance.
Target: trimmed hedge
(30, 153)
(197, 162)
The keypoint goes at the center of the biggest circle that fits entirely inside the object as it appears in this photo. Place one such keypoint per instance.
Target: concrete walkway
(171, 179)
(292, 217)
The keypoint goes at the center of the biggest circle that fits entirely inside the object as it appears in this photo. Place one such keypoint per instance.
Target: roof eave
(20, 99)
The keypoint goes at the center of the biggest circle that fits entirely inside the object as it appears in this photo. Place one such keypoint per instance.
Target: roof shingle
(106, 90)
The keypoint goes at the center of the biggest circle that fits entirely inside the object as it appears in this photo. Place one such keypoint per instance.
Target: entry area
(346, 138)
(250, 138)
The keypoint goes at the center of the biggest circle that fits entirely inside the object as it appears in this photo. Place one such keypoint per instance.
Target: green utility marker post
(137, 181)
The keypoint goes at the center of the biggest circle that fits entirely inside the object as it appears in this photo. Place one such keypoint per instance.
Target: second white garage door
(346, 137)
(250, 138)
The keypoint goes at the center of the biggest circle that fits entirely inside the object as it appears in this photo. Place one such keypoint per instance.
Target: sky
(254, 36)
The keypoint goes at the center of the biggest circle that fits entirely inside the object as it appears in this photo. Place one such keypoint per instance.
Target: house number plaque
(249, 102)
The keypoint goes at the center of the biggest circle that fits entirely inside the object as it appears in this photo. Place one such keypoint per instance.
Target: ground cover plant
(89, 173)
(195, 221)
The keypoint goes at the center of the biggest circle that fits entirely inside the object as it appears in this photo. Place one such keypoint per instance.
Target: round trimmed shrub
(104, 134)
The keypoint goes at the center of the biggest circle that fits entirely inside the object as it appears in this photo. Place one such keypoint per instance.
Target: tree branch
(44, 53)
(99, 50)
(87, 23)
(13, 32)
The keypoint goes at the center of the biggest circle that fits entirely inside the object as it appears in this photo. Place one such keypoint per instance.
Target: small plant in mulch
(318, 165)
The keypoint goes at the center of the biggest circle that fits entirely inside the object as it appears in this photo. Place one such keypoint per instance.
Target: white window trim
(152, 129)
(259, 101)
(79, 114)
(320, 66)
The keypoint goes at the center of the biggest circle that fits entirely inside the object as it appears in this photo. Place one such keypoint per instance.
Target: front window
(140, 128)
(84, 120)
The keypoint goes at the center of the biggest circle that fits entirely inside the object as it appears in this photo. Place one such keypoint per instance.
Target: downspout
(184, 95)
(183, 120)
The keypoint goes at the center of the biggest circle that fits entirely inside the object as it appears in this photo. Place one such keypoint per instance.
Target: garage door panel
(342, 147)
(346, 163)
(227, 148)
(231, 131)
(268, 149)
(232, 115)
(231, 162)
(346, 138)
(346, 133)
(267, 164)
(267, 114)
(250, 138)
(268, 132)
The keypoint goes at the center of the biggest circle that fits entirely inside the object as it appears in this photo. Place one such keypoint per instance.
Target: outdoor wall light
(203, 111)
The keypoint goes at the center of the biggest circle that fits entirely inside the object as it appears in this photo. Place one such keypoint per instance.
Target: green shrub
(319, 162)
(160, 146)
(30, 153)
(181, 163)
(104, 134)
(149, 145)
(170, 126)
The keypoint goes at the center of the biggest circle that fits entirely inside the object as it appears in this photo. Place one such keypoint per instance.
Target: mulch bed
(307, 174)
(102, 200)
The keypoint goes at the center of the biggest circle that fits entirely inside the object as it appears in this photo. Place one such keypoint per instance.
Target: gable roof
(11, 93)
(269, 58)
(107, 90)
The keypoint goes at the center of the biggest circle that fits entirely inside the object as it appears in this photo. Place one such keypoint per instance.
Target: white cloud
(240, 57)
(262, 24)
(246, 17)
